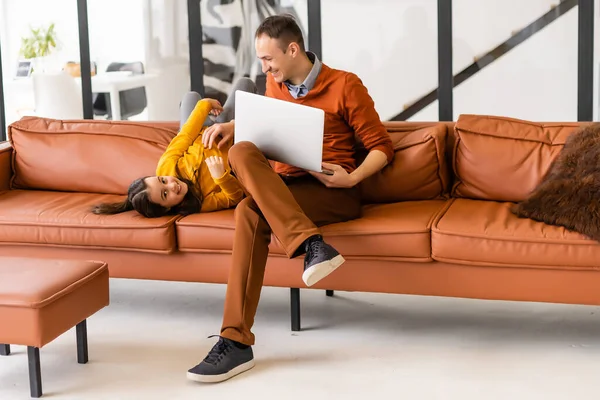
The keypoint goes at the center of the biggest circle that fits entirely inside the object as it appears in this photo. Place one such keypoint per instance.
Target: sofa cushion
(504, 159)
(399, 230)
(5, 165)
(568, 194)
(418, 170)
(57, 219)
(486, 233)
(92, 156)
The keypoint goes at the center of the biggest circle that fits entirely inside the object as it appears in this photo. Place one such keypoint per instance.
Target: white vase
(46, 64)
(39, 64)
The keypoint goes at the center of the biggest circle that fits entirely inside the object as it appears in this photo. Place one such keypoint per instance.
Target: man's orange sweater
(349, 110)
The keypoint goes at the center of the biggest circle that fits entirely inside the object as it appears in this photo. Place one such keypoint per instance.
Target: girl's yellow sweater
(186, 154)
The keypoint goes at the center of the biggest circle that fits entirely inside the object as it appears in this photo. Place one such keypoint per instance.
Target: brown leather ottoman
(40, 299)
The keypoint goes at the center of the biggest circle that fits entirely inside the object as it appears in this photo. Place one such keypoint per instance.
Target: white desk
(115, 83)
(111, 83)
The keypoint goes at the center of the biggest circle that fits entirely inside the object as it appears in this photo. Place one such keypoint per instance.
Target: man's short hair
(284, 28)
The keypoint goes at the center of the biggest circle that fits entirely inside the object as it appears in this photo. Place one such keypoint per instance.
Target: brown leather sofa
(436, 221)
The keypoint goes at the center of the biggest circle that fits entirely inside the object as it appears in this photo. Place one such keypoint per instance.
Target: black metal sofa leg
(295, 305)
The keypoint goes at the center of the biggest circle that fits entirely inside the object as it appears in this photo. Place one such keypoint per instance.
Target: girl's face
(167, 191)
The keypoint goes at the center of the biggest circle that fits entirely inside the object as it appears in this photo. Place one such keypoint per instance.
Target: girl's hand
(216, 166)
(216, 106)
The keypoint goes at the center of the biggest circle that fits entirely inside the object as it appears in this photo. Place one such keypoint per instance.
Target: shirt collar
(311, 78)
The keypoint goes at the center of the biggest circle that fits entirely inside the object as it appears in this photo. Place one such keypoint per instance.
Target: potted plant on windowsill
(40, 44)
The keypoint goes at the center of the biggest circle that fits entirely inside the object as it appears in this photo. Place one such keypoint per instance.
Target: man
(287, 201)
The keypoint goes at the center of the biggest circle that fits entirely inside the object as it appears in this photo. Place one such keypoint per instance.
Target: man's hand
(339, 178)
(216, 166)
(223, 131)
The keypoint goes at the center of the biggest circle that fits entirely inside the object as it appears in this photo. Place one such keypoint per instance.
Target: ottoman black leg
(329, 293)
(82, 345)
(4, 349)
(35, 374)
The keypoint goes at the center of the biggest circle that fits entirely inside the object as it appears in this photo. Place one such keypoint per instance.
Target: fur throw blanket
(569, 193)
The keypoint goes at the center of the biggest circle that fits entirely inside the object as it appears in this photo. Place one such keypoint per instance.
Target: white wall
(166, 32)
(537, 80)
(392, 46)
(116, 31)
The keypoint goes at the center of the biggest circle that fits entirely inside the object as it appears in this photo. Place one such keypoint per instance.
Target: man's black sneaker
(226, 360)
(320, 260)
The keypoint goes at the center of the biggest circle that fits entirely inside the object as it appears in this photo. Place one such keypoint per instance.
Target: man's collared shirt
(302, 89)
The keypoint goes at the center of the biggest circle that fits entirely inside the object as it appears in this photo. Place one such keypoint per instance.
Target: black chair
(133, 101)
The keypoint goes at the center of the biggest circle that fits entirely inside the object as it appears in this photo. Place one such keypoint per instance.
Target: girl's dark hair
(138, 200)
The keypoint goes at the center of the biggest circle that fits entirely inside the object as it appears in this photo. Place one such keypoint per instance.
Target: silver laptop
(286, 132)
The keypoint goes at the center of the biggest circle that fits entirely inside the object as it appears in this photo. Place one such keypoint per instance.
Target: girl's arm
(230, 195)
(184, 139)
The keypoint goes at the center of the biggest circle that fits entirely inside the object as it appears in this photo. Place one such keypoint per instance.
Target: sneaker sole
(319, 271)
(222, 377)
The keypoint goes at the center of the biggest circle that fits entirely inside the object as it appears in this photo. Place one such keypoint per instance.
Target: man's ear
(294, 49)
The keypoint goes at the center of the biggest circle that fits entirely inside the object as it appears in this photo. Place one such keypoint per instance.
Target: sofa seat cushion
(206, 232)
(486, 233)
(64, 219)
(397, 230)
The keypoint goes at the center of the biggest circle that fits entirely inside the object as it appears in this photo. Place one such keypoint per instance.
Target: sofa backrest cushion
(503, 159)
(418, 170)
(91, 156)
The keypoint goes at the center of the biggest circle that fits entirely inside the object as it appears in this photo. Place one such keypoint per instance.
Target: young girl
(189, 177)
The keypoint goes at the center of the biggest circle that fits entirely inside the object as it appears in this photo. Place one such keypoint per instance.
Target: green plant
(39, 43)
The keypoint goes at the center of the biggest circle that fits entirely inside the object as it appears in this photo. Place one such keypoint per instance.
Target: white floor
(353, 345)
